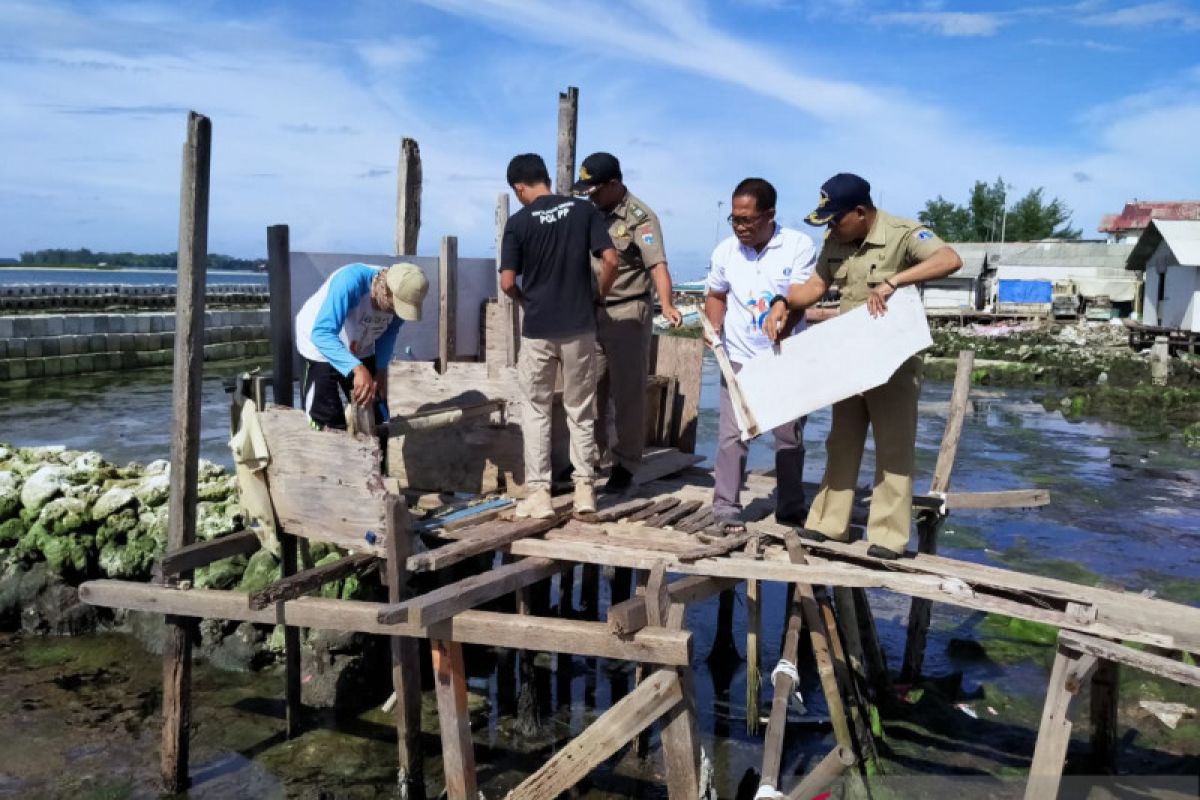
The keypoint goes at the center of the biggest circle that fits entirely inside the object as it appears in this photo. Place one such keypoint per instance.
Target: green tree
(988, 217)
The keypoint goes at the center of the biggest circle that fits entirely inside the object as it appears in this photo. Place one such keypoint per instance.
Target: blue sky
(1097, 101)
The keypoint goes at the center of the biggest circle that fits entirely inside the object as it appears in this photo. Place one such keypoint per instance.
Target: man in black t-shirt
(549, 243)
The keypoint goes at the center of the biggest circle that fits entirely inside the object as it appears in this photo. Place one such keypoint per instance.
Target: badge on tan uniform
(620, 230)
(638, 213)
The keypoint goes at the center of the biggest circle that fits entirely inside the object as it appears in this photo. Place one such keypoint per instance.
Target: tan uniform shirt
(637, 236)
(892, 246)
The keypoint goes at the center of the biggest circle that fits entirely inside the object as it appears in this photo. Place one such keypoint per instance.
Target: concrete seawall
(51, 345)
(56, 296)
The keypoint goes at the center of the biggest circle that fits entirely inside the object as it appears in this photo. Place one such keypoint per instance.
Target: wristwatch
(778, 299)
(888, 281)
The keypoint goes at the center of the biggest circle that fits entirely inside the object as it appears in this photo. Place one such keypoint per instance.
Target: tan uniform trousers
(891, 411)
(623, 357)
(537, 372)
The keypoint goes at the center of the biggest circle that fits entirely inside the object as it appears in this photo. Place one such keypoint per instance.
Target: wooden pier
(334, 487)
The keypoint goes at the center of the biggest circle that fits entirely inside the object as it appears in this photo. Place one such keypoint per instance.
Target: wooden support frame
(301, 583)
(408, 198)
(474, 541)
(185, 438)
(630, 616)
(458, 751)
(406, 667)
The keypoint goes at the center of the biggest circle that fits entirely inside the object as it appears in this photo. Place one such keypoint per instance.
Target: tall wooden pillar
(408, 198)
(185, 437)
(568, 125)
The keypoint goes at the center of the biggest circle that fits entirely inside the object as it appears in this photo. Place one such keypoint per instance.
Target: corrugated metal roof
(1181, 236)
(1137, 215)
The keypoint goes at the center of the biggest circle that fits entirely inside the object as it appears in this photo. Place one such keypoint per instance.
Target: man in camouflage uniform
(868, 254)
(625, 316)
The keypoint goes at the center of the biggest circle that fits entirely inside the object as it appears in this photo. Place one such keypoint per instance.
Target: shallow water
(1124, 511)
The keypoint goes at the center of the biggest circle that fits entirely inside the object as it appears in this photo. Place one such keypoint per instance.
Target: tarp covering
(1024, 292)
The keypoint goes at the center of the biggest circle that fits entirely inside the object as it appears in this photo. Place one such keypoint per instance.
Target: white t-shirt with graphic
(749, 279)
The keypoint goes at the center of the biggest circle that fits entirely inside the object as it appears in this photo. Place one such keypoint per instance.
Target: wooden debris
(665, 518)
(722, 546)
(700, 520)
(661, 463)
(619, 511)
(311, 579)
(655, 508)
(631, 615)
(472, 542)
(827, 770)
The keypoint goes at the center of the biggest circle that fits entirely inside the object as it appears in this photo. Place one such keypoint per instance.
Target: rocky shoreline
(1087, 369)
(69, 516)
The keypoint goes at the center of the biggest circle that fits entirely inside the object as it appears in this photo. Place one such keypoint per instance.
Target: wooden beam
(954, 422)
(185, 436)
(663, 463)
(654, 509)
(473, 541)
(201, 554)
(1054, 733)
(301, 583)
(1014, 498)
(722, 546)
(1138, 659)
(683, 360)
(447, 301)
(680, 731)
(405, 656)
(1106, 686)
(437, 418)
(730, 377)
(619, 511)
(283, 337)
(668, 517)
(454, 598)
(622, 722)
(568, 125)
(630, 616)
(782, 686)
(458, 752)
(408, 198)
(651, 645)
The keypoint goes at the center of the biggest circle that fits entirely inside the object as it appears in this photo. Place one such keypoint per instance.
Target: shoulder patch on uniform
(637, 212)
(648, 238)
(924, 233)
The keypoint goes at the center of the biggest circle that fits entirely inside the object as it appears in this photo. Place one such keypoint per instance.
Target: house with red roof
(1126, 227)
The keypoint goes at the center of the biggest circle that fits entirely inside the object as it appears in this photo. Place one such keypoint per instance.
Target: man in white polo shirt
(748, 270)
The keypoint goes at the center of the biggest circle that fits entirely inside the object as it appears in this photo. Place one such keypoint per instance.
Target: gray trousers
(731, 465)
(623, 357)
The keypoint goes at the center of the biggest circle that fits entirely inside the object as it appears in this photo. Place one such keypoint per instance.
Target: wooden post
(928, 523)
(858, 712)
(408, 198)
(877, 669)
(406, 667)
(782, 686)
(753, 631)
(185, 438)
(279, 277)
(458, 753)
(509, 311)
(680, 733)
(1054, 734)
(823, 774)
(283, 340)
(568, 123)
(1105, 688)
(447, 301)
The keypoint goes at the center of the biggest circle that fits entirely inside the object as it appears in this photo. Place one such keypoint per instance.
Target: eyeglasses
(744, 222)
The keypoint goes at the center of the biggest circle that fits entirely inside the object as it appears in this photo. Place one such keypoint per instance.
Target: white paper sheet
(833, 360)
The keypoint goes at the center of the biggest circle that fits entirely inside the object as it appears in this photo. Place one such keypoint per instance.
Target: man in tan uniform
(868, 254)
(625, 316)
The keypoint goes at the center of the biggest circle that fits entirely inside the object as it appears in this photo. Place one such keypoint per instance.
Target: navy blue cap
(596, 169)
(839, 194)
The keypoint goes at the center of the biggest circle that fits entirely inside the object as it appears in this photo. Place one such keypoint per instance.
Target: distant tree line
(987, 216)
(143, 260)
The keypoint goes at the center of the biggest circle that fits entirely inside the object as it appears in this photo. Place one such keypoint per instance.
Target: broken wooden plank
(659, 464)
(665, 518)
(619, 511)
(749, 423)
(701, 519)
(310, 580)
(438, 418)
(655, 508)
(1054, 733)
(622, 722)
(719, 548)
(650, 645)
(827, 770)
(201, 554)
(1014, 498)
(446, 601)
(490, 537)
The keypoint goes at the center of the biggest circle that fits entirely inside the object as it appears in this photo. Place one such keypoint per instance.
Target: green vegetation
(987, 216)
(84, 258)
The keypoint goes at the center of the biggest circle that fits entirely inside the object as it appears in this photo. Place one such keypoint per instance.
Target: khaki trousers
(623, 359)
(891, 411)
(537, 372)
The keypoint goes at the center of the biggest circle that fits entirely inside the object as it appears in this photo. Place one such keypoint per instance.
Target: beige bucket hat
(408, 286)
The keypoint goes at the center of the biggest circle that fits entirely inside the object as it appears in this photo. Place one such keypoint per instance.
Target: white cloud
(946, 23)
(1147, 14)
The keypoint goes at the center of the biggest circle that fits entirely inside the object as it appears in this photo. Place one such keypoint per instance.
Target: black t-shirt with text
(549, 243)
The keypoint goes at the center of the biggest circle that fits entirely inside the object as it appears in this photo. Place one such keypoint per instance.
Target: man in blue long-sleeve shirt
(346, 333)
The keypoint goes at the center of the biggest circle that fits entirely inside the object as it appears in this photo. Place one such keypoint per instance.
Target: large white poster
(833, 360)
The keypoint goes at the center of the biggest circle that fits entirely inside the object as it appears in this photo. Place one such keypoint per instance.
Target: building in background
(1168, 256)
(1126, 227)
